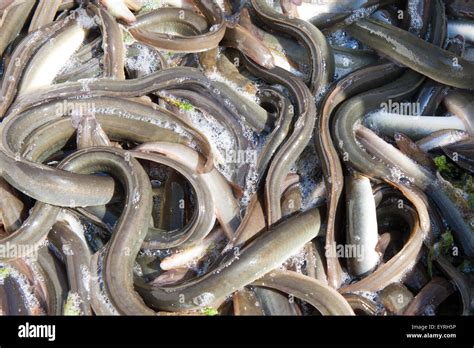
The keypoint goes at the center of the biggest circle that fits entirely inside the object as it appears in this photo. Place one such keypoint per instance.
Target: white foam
(84, 20)
(360, 13)
(146, 61)
(296, 262)
(341, 39)
(73, 304)
(217, 76)
(26, 288)
(308, 168)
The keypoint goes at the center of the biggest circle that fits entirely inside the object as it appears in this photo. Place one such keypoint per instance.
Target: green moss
(169, 55)
(446, 242)
(71, 307)
(466, 267)
(469, 182)
(442, 247)
(127, 38)
(447, 169)
(182, 105)
(4, 272)
(185, 106)
(209, 311)
(468, 188)
(459, 178)
(470, 200)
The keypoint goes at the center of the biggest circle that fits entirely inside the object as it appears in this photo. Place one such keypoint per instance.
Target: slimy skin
(320, 53)
(264, 254)
(413, 52)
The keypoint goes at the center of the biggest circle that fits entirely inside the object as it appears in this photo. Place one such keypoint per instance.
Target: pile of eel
(236, 157)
